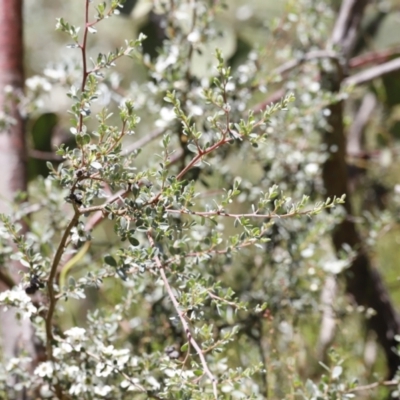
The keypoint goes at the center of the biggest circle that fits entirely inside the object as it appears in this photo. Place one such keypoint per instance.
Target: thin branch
(50, 284)
(374, 57)
(215, 297)
(312, 55)
(193, 162)
(360, 121)
(328, 321)
(276, 96)
(346, 28)
(143, 141)
(374, 386)
(373, 73)
(44, 155)
(221, 213)
(185, 325)
(95, 219)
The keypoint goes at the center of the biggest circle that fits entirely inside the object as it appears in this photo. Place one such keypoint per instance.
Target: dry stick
(183, 320)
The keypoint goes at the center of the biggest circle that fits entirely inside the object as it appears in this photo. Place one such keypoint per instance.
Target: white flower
(76, 333)
(193, 37)
(12, 364)
(244, 12)
(75, 336)
(129, 385)
(102, 390)
(153, 382)
(311, 169)
(164, 62)
(166, 116)
(45, 369)
(71, 371)
(103, 370)
(78, 388)
(19, 299)
(36, 83)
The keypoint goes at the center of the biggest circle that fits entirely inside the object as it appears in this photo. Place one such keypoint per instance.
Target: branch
(374, 385)
(373, 73)
(44, 155)
(354, 137)
(328, 323)
(312, 55)
(374, 57)
(142, 141)
(221, 213)
(347, 25)
(183, 320)
(50, 283)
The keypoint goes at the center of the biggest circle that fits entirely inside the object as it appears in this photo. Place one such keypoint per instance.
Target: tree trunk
(15, 335)
(363, 281)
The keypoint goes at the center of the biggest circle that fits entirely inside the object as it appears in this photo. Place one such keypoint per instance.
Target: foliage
(193, 272)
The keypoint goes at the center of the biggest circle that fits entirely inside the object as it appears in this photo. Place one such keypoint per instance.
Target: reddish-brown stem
(50, 284)
(220, 213)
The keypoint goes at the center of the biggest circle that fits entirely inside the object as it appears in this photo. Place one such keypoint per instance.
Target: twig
(271, 99)
(99, 359)
(328, 322)
(142, 141)
(374, 385)
(374, 57)
(52, 296)
(215, 297)
(44, 155)
(50, 283)
(183, 320)
(372, 73)
(95, 219)
(222, 213)
(357, 128)
(312, 55)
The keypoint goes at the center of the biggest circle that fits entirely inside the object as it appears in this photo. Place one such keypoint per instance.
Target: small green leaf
(110, 260)
(185, 347)
(193, 148)
(133, 241)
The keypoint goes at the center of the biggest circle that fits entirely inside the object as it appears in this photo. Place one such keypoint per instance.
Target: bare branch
(44, 155)
(374, 57)
(347, 25)
(361, 119)
(312, 55)
(373, 73)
